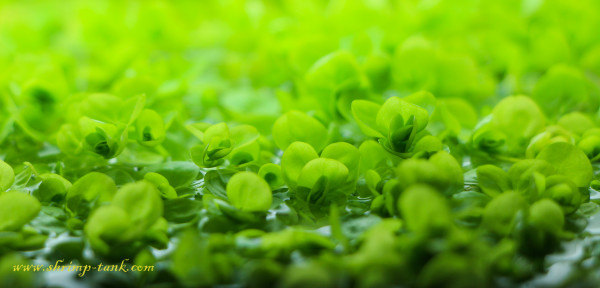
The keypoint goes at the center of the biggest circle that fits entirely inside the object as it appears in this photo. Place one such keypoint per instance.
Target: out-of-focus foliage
(268, 143)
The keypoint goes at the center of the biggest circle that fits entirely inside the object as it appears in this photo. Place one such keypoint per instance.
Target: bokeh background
(251, 61)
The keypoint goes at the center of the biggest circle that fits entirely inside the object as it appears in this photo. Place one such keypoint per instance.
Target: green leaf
(365, 113)
(141, 201)
(203, 261)
(547, 215)
(51, 220)
(320, 177)
(178, 173)
(245, 155)
(181, 210)
(102, 107)
(347, 154)
(271, 173)
(576, 122)
(372, 156)
(455, 114)
(295, 157)
(569, 161)
(492, 180)
(441, 171)
(7, 176)
(423, 99)
(243, 135)
(16, 210)
(162, 184)
(521, 118)
(249, 192)
(377, 69)
(500, 214)
(563, 191)
(101, 138)
(150, 129)
(452, 171)
(108, 225)
(217, 143)
(394, 107)
(428, 144)
(561, 90)
(53, 188)
(527, 177)
(334, 71)
(90, 191)
(551, 135)
(590, 145)
(489, 139)
(424, 210)
(296, 126)
(413, 63)
(216, 181)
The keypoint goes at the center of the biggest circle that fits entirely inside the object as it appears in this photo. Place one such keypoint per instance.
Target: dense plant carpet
(300, 143)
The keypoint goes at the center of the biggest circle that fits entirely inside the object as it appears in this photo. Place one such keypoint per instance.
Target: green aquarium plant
(314, 143)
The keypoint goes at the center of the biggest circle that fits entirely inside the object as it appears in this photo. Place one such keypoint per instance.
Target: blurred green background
(251, 61)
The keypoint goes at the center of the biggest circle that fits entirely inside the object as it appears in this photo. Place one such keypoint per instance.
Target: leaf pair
(102, 125)
(135, 213)
(513, 122)
(560, 172)
(509, 214)
(321, 180)
(89, 192)
(239, 144)
(440, 171)
(103, 139)
(396, 123)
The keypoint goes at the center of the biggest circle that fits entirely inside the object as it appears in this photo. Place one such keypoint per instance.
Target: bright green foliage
(239, 144)
(564, 191)
(514, 121)
(430, 218)
(396, 123)
(297, 126)
(313, 143)
(149, 128)
(17, 209)
(295, 157)
(162, 184)
(441, 171)
(547, 215)
(248, 192)
(501, 215)
(492, 180)
(90, 191)
(569, 161)
(7, 176)
(564, 89)
(53, 188)
(135, 214)
(216, 144)
(272, 174)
